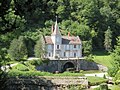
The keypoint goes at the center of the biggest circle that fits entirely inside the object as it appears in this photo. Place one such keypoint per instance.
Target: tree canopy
(88, 19)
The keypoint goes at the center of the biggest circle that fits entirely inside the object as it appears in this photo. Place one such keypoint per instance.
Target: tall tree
(39, 48)
(13, 50)
(18, 49)
(23, 54)
(116, 57)
(108, 40)
(116, 53)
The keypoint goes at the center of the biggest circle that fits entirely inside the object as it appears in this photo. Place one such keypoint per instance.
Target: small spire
(68, 34)
(56, 18)
(52, 28)
(56, 28)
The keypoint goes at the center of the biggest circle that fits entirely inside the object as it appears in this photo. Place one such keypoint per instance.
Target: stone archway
(68, 65)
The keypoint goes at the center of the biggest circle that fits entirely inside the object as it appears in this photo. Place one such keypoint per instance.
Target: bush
(15, 72)
(117, 76)
(78, 87)
(69, 74)
(31, 67)
(103, 86)
(112, 71)
(35, 62)
(104, 76)
(21, 67)
(81, 71)
(98, 88)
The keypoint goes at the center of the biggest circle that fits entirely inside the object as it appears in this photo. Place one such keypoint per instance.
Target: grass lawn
(96, 80)
(15, 72)
(103, 58)
(90, 71)
(115, 87)
(29, 70)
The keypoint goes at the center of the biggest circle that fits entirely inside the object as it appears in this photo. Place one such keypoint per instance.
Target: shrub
(21, 67)
(78, 87)
(16, 72)
(98, 88)
(35, 62)
(117, 76)
(103, 86)
(104, 76)
(81, 71)
(31, 67)
(112, 71)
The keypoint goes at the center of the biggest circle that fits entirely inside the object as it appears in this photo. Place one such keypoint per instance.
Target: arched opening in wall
(69, 66)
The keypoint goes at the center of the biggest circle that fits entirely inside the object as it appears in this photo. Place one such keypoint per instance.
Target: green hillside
(103, 58)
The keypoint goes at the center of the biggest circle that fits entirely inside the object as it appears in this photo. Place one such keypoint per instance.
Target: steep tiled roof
(65, 40)
(48, 40)
(71, 40)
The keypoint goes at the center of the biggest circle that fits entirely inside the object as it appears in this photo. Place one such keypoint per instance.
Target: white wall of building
(64, 51)
(69, 51)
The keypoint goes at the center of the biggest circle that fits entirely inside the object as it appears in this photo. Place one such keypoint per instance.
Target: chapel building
(58, 46)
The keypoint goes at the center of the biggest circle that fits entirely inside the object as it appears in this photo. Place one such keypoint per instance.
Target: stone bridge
(62, 65)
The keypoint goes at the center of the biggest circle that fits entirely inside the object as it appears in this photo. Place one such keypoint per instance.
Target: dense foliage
(108, 40)
(88, 19)
(18, 49)
(115, 71)
(39, 48)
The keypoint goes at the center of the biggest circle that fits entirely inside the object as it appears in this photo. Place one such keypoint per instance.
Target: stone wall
(45, 83)
(58, 65)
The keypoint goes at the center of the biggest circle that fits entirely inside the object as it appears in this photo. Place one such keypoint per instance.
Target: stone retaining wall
(45, 83)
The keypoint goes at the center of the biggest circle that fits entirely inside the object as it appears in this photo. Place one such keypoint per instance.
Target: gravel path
(97, 74)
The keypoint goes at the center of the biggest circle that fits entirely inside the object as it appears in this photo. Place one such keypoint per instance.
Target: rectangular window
(58, 47)
(74, 54)
(64, 54)
(49, 54)
(74, 46)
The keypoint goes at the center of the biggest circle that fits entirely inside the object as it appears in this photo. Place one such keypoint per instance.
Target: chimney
(68, 34)
(52, 28)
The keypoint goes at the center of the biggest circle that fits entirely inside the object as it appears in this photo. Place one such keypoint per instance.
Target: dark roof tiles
(65, 40)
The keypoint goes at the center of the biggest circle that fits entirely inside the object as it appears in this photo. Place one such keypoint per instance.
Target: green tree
(87, 48)
(13, 50)
(108, 40)
(116, 57)
(39, 48)
(18, 49)
(23, 54)
(116, 53)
